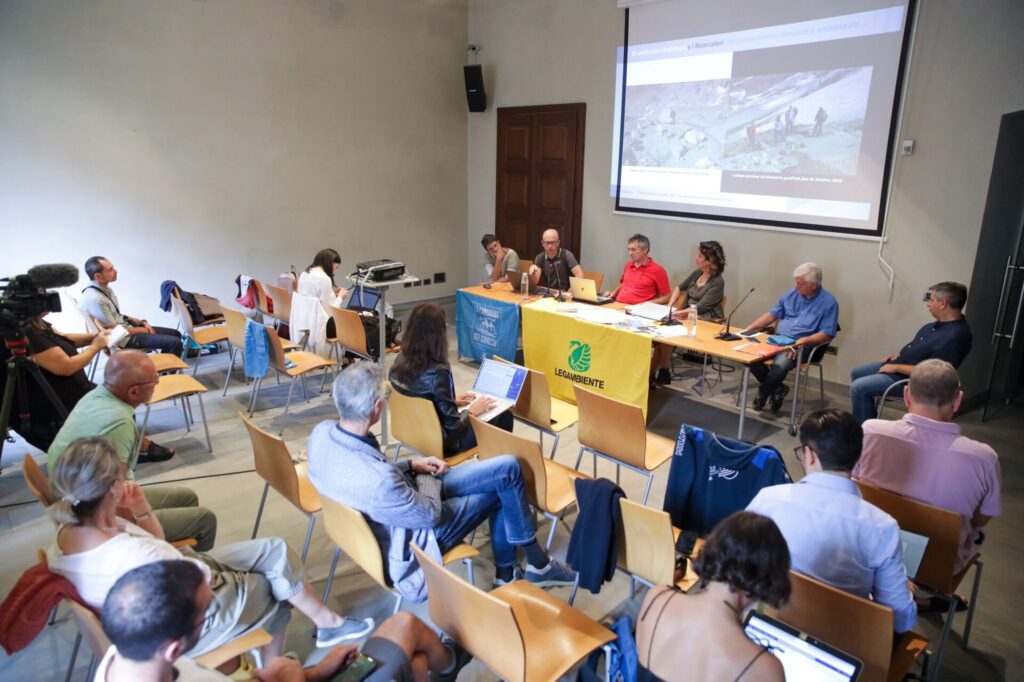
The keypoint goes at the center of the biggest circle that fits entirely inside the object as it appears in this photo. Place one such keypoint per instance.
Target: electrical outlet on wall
(439, 278)
(426, 282)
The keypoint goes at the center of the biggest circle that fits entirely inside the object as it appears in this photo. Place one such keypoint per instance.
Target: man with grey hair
(809, 316)
(642, 279)
(924, 457)
(422, 501)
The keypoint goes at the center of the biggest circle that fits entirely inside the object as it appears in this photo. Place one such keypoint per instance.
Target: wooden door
(540, 176)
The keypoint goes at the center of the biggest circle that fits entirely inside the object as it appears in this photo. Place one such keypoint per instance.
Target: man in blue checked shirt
(806, 313)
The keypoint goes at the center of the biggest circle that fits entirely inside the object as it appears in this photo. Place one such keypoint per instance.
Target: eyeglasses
(546, 242)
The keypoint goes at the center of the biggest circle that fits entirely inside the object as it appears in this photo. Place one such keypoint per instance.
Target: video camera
(25, 297)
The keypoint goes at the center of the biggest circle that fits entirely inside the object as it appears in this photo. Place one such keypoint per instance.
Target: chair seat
(207, 335)
(659, 451)
(289, 345)
(556, 635)
(460, 457)
(306, 362)
(224, 653)
(167, 362)
(175, 386)
(561, 486)
(909, 646)
(460, 552)
(309, 498)
(563, 414)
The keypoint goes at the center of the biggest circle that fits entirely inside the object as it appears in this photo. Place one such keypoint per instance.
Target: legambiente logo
(579, 363)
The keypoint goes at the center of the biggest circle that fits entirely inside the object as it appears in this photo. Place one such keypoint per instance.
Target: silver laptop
(501, 381)
(583, 289)
(803, 657)
(914, 546)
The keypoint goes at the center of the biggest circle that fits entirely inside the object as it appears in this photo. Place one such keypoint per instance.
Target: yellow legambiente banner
(612, 361)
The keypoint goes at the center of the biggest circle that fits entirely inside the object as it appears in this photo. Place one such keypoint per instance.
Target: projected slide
(785, 125)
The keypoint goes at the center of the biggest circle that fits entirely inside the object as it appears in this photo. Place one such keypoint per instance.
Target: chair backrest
(37, 481)
(349, 331)
(236, 327)
(184, 317)
(282, 301)
(262, 298)
(460, 609)
(493, 441)
(596, 276)
(611, 426)
(415, 424)
(647, 548)
(288, 280)
(276, 349)
(273, 462)
(859, 627)
(534, 404)
(89, 626)
(348, 529)
(940, 526)
(725, 307)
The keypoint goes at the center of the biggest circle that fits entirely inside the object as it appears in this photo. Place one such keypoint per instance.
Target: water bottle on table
(524, 286)
(692, 320)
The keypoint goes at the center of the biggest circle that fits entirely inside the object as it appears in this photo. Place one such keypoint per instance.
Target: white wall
(195, 140)
(964, 76)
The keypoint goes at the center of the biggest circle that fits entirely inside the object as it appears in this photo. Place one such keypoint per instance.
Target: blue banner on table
(486, 327)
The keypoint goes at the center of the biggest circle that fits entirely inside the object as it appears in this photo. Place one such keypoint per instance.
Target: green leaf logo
(579, 356)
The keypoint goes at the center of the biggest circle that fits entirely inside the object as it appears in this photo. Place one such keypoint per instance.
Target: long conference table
(612, 360)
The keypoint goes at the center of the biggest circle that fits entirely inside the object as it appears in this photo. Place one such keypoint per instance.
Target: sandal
(156, 453)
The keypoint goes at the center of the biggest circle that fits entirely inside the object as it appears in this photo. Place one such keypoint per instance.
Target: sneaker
(349, 629)
(759, 400)
(664, 377)
(155, 453)
(517, 574)
(554, 574)
(779, 397)
(461, 656)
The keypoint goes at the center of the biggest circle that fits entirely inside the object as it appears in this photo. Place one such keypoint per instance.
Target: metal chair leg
(259, 512)
(554, 446)
(330, 575)
(206, 424)
(647, 490)
(74, 656)
(231, 365)
(309, 536)
(551, 533)
(469, 570)
(288, 404)
(398, 603)
(978, 566)
(579, 458)
(575, 588)
(254, 394)
(946, 627)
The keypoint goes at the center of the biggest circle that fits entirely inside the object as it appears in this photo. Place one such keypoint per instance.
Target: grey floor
(226, 483)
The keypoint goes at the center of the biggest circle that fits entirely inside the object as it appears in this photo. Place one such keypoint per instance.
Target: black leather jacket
(437, 385)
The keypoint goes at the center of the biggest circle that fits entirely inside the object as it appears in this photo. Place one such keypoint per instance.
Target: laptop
(515, 277)
(363, 298)
(914, 546)
(501, 381)
(803, 657)
(583, 289)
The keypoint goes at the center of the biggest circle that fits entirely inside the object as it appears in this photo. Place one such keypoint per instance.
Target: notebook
(501, 381)
(583, 289)
(803, 657)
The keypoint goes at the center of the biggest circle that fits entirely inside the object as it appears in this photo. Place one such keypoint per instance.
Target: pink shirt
(931, 462)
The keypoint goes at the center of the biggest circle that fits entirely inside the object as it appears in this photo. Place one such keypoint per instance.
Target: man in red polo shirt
(642, 280)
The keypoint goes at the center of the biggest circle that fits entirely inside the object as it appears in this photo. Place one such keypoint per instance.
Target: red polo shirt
(640, 284)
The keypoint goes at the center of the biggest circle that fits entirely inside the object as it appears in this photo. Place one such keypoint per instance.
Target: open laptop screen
(500, 380)
(363, 297)
(803, 657)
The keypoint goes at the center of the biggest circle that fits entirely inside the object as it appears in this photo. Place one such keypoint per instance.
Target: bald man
(109, 410)
(552, 267)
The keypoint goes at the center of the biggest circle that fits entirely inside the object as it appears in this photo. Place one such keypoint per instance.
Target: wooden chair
(936, 572)
(860, 627)
(536, 407)
(288, 477)
(350, 531)
(349, 334)
(550, 486)
(615, 430)
(896, 396)
(167, 363)
(415, 425)
(37, 481)
(518, 630)
(282, 302)
(172, 387)
(596, 276)
(200, 336)
(236, 323)
(303, 363)
(647, 547)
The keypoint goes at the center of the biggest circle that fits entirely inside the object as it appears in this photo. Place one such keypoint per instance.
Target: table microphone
(558, 281)
(726, 334)
(668, 319)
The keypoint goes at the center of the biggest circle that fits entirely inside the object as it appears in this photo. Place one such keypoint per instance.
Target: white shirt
(187, 670)
(318, 284)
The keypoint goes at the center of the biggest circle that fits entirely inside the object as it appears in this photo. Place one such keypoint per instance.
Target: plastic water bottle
(524, 286)
(692, 318)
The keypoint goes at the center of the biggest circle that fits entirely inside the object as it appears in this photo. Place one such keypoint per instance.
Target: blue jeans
(866, 385)
(491, 489)
(773, 376)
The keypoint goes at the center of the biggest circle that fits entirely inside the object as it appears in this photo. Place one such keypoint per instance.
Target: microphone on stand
(726, 334)
(668, 320)
(558, 281)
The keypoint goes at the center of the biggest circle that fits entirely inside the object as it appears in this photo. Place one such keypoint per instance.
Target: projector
(382, 270)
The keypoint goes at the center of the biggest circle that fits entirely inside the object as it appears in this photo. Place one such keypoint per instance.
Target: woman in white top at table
(250, 580)
(317, 281)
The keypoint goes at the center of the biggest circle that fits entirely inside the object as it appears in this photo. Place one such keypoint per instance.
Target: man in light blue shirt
(806, 313)
(832, 533)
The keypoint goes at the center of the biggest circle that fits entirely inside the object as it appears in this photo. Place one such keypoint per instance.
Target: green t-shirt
(511, 262)
(98, 413)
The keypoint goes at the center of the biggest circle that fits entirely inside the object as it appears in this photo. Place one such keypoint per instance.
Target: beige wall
(196, 140)
(964, 76)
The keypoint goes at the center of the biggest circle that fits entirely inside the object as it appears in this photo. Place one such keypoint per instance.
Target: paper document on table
(670, 331)
(652, 311)
(600, 315)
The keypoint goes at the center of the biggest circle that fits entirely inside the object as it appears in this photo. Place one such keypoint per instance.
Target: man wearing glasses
(129, 380)
(553, 267)
(947, 338)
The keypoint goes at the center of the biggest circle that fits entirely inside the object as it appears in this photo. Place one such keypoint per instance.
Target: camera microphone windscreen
(53, 275)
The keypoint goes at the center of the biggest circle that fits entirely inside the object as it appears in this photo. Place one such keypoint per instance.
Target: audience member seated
(743, 561)
(421, 500)
(154, 615)
(642, 279)
(498, 259)
(100, 302)
(833, 534)
(63, 368)
(422, 371)
(807, 314)
(948, 338)
(109, 410)
(554, 265)
(924, 457)
(317, 281)
(704, 288)
(249, 579)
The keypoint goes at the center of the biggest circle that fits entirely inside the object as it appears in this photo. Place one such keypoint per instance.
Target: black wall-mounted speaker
(476, 97)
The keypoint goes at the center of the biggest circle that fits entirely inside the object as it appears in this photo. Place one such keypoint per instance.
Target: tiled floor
(226, 482)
